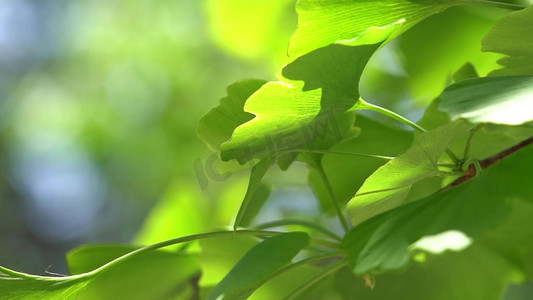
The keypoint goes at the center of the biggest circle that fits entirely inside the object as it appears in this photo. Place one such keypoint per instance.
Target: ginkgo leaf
(252, 202)
(167, 270)
(512, 36)
(257, 264)
(306, 107)
(374, 138)
(455, 36)
(165, 273)
(388, 186)
(321, 23)
(17, 285)
(473, 208)
(498, 99)
(476, 273)
(218, 124)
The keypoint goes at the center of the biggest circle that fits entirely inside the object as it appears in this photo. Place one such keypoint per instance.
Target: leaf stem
(185, 239)
(487, 162)
(365, 105)
(327, 272)
(305, 261)
(345, 153)
(333, 198)
(300, 223)
(469, 141)
(509, 6)
(155, 246)
(362, 104)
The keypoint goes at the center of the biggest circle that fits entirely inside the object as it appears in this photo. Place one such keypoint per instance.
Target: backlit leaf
(218, 124)
(305, 107)
(389, 185)
(321, 23)
(455, 36)
(252, 202)
(164, 273)
(374, 138)
(485, 201)
(499, 99)
(512, 36)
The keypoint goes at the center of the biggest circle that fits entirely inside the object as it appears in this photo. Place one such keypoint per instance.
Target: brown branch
(487, 162)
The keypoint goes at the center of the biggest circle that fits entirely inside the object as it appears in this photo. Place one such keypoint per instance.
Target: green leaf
(321, 23)
(17, 285)
(511, 239)
(285, 283)
(374, 138)
(455, 36)
(258, 264)
(476, 273)
(467, 71)
(254, 197)
(257, 201)
(304, 108)
(485, 201)
(389, 185)
(512, 36)
(218, 124)
(156, 274)
(89, 257)
(500, 99)
(151, 275)
(220, 254)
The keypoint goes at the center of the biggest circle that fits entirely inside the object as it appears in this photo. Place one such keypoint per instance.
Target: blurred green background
(99, 102)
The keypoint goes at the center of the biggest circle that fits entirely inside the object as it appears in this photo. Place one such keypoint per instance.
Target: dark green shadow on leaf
(294, 114)
(218, 124)
(512, 36)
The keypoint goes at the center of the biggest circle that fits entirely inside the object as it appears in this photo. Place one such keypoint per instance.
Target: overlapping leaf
(512, 36)
(374, 138)
(476, 273)
(219, 255)
(254, 197)
(306, 107)
(218, 124)
(164, 273)
(455, 36)
(323, 83)
(321, 23)
(381, 243)
(388, 186)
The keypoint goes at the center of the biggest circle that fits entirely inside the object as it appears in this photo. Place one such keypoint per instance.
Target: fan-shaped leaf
(257, 264)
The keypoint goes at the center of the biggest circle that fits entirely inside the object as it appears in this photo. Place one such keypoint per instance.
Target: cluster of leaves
(456, 226)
